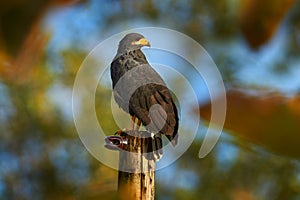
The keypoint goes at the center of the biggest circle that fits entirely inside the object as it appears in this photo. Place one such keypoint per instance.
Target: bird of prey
(140, 91)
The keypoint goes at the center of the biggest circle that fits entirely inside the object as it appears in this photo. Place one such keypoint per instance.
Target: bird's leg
(132, 122)
(119, 132)
(138, 125)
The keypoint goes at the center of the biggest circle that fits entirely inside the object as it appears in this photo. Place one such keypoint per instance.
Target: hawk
(140, 91)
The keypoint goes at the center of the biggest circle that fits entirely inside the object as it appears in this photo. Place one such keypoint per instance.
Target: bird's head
(132, 41)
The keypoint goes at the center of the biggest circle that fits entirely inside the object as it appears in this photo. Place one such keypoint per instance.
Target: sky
(88, 21)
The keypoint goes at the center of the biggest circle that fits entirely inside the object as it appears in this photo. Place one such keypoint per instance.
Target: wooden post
(136, 172)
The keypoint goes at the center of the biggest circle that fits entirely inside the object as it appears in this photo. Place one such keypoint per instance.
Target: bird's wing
(153, 105)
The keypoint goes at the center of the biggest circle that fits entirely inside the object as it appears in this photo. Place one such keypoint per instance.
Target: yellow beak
(142, 42)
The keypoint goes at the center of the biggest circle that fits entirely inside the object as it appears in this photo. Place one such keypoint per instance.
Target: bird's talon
(119, 132)
(122, 133)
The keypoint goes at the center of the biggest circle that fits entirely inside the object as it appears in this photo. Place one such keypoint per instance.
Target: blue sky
(84, 27)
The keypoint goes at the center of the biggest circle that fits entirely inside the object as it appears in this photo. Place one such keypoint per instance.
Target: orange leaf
(270, 120)
(259, 19)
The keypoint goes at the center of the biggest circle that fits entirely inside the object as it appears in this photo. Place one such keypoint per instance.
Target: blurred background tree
(255, 45)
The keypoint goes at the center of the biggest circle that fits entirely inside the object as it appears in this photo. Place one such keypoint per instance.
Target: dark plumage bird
(140, 91)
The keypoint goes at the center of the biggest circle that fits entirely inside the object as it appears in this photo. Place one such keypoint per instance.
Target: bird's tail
(152, 147)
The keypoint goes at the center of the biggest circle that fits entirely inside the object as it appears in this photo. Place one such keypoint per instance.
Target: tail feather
(152, 147)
